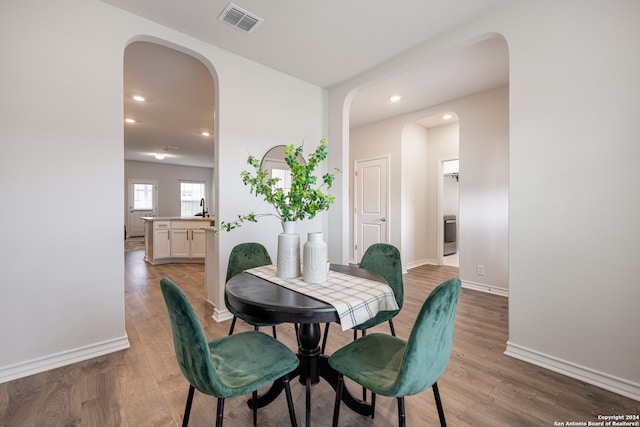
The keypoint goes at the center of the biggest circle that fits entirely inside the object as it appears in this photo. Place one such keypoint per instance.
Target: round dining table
(265, 300)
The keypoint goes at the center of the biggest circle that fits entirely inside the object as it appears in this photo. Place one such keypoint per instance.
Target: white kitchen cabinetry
(187, 239)
(198, 243)
(179, 243)
(161, 239)
(175, 240)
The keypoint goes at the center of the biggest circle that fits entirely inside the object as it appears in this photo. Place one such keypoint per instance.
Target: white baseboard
(221, 315)
(419, 263)
(465, 283)
(485, 288)
(46, 363)
(590, 376)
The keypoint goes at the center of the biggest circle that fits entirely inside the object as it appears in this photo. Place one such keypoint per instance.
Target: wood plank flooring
(143, 386)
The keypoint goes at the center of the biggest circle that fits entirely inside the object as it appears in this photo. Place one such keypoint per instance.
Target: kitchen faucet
(203, 207)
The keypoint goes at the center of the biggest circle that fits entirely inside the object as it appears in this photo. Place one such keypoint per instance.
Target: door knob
(383, 219)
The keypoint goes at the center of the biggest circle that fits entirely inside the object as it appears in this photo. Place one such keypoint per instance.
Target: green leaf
(304, 199)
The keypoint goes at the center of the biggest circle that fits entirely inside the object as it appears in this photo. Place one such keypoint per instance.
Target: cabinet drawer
(161, 225)
(187, 225)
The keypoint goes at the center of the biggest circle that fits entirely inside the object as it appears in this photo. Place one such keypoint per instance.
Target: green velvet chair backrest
(429, 346)
(245, 256)
(191, 346)
(384, 259)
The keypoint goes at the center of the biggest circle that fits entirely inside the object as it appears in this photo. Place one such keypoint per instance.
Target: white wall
(61, 130)
(573, 145)
(168, 177)
(574, 190)
(415, 198)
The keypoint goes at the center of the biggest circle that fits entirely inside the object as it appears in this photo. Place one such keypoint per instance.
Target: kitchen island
(175, 239)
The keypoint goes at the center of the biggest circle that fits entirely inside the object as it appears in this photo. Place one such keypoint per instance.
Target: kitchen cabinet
(161, 239)
(187, 239)
(175, 239)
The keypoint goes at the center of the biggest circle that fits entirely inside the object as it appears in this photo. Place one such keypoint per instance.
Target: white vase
(314, 259)
(288, 263)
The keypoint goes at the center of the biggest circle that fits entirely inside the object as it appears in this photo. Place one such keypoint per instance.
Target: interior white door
(143, 201)
(371, 204)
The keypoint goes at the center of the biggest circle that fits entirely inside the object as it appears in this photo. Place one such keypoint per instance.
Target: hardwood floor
(143, 386)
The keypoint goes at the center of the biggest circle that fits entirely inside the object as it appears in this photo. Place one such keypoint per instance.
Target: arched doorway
(169, 105)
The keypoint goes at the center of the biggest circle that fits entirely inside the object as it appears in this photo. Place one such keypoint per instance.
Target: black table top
(268, 301)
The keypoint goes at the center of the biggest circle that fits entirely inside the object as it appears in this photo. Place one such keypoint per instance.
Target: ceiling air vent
(240, 18)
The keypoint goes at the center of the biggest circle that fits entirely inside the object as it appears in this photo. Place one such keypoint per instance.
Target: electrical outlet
(480, 269)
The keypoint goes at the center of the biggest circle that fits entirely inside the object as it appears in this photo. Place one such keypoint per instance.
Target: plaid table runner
(355, 299)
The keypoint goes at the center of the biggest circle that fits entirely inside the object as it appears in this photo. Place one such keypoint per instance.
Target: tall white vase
(288, 263)
(314, 259)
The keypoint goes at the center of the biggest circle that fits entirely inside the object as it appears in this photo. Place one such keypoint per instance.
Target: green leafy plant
(303, 200)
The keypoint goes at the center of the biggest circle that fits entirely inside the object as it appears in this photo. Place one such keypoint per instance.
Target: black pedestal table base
(313, 366)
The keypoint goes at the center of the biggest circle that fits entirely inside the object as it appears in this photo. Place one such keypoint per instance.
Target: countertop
(176, 218)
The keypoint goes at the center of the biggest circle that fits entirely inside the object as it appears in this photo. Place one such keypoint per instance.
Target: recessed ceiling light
(159, 156)
(205, 133)
(138, 98)
(447, 116)
(395, 98)
(130, 120)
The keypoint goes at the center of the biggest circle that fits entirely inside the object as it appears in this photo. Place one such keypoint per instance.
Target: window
(191, 196)
(142, 197)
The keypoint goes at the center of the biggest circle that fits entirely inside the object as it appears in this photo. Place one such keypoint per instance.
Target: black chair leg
(324, 338)
(336, 406)
(307, 408)
(219, 412)
(287, 391)
(373, 405)
(254, 399)
(187, 409)
(393, 330)
(436, 395)
(402, 419)
(233, 325)
(274, 332)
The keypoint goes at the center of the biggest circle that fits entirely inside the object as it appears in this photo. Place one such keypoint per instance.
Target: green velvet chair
(393, 367)
(227, 367)
(243, 257)
(383, 259)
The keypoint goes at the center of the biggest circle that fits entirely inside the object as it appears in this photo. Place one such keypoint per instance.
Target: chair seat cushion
(248, 361)
(371, 361)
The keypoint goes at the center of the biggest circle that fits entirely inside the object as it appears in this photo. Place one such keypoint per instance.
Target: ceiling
(324, 43)
(178, 106)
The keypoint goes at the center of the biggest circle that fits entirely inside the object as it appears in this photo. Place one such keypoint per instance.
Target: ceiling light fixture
(159, 156)
(138, 98)
(395, 98)
(447, 116)
(130, 120)
(205, 133)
